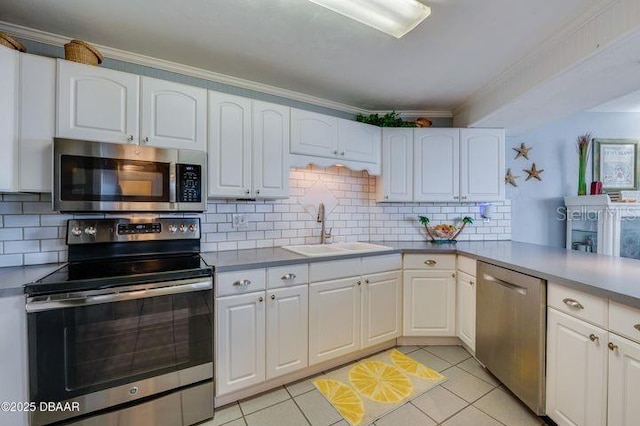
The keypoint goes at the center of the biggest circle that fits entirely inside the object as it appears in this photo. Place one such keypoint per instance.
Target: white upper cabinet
(229, 145)
(270, 150)
(396, 181)
(324, 140)
(436, 165)
(36, 117)
(482, 164)
(248, 148)
(314, 134)
(97, 104)
(359, 141)
(173, 115)
(9, 70)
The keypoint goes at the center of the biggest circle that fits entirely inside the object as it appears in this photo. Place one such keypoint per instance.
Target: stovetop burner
(108, 253)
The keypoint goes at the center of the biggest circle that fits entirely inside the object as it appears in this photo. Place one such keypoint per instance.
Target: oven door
(102, 349)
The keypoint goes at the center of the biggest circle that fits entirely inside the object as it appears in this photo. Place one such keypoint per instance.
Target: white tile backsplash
(30, 233)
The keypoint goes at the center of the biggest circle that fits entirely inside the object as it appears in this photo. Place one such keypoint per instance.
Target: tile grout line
(298, 406)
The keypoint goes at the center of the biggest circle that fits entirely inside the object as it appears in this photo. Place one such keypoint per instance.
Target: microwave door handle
(173, 179)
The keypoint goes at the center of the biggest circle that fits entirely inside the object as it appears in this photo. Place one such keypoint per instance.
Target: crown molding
(148, 61)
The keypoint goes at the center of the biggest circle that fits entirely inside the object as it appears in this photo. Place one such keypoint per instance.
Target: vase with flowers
(583, 142)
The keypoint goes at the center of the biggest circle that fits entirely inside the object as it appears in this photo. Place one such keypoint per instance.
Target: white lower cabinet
(624, 382)
(334, 319)
(576, 371)
(287, 330)
(240, 341)
(381, 296)
(429, 303)
(466, 308)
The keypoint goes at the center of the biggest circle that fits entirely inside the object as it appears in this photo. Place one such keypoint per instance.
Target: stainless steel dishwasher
(511, 331)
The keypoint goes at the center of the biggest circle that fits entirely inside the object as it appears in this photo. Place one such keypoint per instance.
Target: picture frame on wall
(615, 164)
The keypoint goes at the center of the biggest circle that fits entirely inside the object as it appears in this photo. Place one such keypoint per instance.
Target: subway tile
(40, 258)
(10, 207)
(10, 260)
(19, 221)
(31, 246)
(10, 234)
(40, 233)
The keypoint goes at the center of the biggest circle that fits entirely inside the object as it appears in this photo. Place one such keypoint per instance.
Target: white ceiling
(627, 103)
(299, 46)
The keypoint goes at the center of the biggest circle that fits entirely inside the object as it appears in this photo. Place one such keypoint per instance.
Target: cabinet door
(229, 146)
(287, 330)
(173, 115)
(240, 341)
(381, 296)
(482, 164)
(37, 118)
(9, 70)
(624, 382)
(334, 319)
(436, 164)
(429, 303)
(97, 104)
(396, 181)
(576, 371)
(466, 306)
(359, 141)
(270, 150)
(314, 134)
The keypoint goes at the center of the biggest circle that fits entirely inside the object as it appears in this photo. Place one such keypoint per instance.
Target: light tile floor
(470, 397)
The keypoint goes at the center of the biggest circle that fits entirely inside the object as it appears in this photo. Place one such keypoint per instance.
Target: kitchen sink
(337, 249)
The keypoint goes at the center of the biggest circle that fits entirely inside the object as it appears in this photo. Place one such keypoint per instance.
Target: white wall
(533, 203)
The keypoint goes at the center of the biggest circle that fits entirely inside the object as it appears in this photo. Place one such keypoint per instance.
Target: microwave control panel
(189, 183)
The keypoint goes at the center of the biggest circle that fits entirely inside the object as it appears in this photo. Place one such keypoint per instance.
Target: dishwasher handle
(510, 286)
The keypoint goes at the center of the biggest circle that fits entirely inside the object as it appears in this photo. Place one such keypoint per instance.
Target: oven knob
(90, 230)
(172, 229)
(192, 228)
(76, 231)
(182, 228)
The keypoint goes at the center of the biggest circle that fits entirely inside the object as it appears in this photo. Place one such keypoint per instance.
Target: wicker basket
(82, 52)
(11, 43)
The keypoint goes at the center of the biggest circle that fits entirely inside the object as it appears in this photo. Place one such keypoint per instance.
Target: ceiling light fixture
(394, 17)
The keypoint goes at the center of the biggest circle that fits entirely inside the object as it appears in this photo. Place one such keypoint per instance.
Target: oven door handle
(47, 303)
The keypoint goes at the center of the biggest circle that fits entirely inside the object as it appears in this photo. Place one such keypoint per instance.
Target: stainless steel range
(123, 335)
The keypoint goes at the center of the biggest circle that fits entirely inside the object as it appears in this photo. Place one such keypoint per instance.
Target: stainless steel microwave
(107, 177)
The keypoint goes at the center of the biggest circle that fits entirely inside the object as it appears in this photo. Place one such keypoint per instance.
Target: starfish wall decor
(510, 178)
(523, 151)
(533, 172)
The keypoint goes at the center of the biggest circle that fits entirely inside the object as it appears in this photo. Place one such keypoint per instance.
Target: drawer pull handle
(572, 303)
(289, 276)
(612, 347)
(593, 338)
(430, 262)
(637, 327)
(242, 283)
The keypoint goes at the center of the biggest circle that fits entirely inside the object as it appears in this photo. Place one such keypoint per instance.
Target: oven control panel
(87, 231)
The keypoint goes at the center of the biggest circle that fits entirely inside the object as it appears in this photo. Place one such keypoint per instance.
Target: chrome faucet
(324, 236)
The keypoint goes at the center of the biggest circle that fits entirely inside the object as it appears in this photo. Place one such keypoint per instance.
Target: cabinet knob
(335, 152)
(386, 197)
(273, 297)
(455, 197)
(366, 281)
(472, 283)
(130, 138)
(359, 282)
(289, 276)
(464, 197)
(257, 191)
(572, 303)
(637, 327)
(260, 299)
(145, 139)
(247, 192)
(593, 338)
(453, 275)
(242, 283)
(342, 153)
(612, 347)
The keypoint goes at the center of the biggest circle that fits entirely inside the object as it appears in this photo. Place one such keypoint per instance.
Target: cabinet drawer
(334, 269)
(375, 264)
(624, 320)
(287, 276)
(467, 265)
(578, 304)
(429, 261)
(238, 282)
